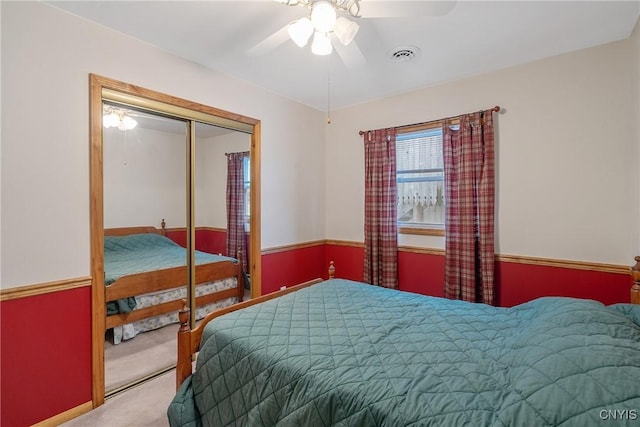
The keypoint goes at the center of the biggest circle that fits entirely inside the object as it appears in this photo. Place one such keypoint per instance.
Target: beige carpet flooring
(139, 357)
(144, 405)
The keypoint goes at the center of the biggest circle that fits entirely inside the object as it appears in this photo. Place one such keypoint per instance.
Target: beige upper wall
(144, 175)
(546, 208)
(567, 154)
(47, 56)
(211, 176)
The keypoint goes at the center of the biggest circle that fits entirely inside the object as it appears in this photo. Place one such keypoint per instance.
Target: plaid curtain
(235, 207)
(380, 216)
(469, 193)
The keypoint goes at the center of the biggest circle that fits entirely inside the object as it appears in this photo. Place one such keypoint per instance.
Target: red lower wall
(45, 356)
(294, 266)
(45, 340)
(423, 273)
(213, 241)
(516, 283)
(207, 240)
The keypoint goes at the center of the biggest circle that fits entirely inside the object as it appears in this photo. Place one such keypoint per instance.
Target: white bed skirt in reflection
(130, 330)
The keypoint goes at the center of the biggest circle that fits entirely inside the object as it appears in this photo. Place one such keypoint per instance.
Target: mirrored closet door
(174, 222)
(221, 193)
(144, 170)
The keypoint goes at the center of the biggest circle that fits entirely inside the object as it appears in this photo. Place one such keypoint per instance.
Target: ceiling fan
(327, 23)
(323, 20)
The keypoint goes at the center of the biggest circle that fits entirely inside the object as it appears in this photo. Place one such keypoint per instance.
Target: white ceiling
(474, 37)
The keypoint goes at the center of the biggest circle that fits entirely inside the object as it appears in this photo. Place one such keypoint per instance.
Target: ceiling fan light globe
(345, 30)
(323, 16)
(321, 44)
(300, 31)
(128, 123)
(110, 120)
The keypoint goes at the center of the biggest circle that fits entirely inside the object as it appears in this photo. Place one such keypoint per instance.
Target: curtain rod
(494, 109)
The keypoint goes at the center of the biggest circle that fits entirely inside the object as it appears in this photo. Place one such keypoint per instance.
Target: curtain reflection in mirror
(236, 209)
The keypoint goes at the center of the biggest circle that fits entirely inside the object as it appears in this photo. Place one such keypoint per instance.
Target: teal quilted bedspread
(139, 253)
(349, 354)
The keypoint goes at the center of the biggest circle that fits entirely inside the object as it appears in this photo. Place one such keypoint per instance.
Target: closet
(167, 172)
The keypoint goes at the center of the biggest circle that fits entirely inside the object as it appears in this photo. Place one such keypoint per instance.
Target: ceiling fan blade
(403, 9)
(350, 55)
(270, 43)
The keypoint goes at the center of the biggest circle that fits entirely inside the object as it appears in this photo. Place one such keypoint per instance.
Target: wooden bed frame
(161, 280)
(189, 339)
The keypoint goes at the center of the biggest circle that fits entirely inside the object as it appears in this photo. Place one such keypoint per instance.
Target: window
(420, 180)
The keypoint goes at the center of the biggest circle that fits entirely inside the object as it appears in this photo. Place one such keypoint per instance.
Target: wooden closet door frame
(101, 88)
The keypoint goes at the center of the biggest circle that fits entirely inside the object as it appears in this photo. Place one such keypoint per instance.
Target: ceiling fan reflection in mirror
(331, 24)
(125, 118)
(117, 118)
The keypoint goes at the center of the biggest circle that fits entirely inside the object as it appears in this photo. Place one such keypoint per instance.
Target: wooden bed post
(635, 277)
(332, 270)
(183, 368)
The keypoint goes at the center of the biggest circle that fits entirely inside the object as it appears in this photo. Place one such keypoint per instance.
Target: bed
(344, 353)
(145, 276)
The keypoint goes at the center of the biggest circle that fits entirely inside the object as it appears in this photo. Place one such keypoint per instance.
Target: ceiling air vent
(404, 53)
